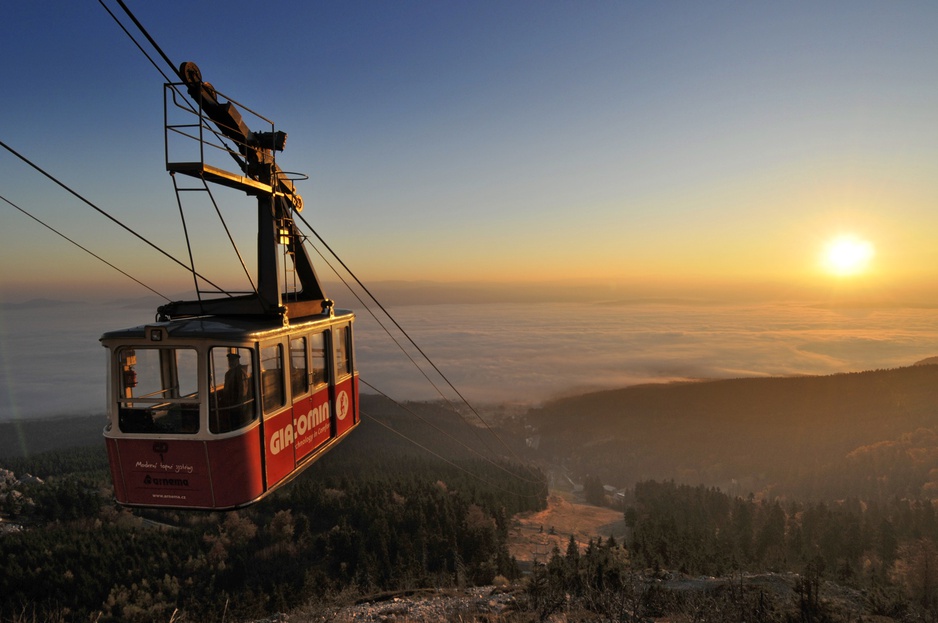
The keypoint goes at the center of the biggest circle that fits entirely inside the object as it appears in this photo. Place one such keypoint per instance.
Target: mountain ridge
(762, 431)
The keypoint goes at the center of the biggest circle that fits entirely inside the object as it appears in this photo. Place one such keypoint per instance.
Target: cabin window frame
(300, 377)
(272, 379)
(226, 415)
(342, 352)
(320, 366)
(168, 407)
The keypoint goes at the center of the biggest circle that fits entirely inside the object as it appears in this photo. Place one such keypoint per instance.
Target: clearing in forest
(532, 535)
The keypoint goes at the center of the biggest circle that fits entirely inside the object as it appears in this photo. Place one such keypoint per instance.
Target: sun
(847, 255)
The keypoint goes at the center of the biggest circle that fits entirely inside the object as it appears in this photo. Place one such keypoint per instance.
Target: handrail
(191, 118)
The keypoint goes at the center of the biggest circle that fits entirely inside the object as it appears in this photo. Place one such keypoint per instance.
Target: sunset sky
(627, 144)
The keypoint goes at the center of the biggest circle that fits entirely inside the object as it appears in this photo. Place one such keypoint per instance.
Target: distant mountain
(785, 435)
(39, 303)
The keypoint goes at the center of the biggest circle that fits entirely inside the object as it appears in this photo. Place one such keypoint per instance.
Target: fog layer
(51, 362)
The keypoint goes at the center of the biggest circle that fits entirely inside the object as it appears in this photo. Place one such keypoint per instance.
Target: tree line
(361, 522)
(883, 548)
(695, 553)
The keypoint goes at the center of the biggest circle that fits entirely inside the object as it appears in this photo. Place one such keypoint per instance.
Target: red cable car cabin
(224, 399)
(214, 413)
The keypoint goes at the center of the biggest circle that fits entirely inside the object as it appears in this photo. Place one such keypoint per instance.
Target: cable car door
(311, 405)
(278, 415)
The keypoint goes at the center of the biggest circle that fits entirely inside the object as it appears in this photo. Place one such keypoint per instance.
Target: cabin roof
(226, 327)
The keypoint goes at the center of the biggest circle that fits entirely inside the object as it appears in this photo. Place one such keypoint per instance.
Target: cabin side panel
(163, 472)
(346, 405)
(117, 476)
(237, 465)
(278, 444)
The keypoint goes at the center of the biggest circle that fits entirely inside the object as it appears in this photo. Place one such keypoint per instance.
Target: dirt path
(533, 535)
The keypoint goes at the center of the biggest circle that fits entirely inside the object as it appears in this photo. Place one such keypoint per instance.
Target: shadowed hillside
(33, 436)
(785, 433)
(869, 434)
(405, 428)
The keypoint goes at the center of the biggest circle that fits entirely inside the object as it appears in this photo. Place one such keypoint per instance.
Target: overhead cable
(156, 46)
(448, 461)
(136, 43)
(411, 340)
(89, 252)
(443, 432)
(101, 211)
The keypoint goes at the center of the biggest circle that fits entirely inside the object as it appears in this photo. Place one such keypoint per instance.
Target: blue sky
(620, 142)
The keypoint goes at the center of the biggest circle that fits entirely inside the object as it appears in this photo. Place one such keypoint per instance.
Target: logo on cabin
(341, 405)
(313, 418)
(300, 429)
(161, 448)
(281, 439)
(165, 482)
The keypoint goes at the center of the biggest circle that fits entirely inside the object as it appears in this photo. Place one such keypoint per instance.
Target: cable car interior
(229, 396)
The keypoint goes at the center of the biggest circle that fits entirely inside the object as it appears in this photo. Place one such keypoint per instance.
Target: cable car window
(231, 401)
(272, 377)
(299, 372)
(342, 362)
(317, 344)
(159, 390)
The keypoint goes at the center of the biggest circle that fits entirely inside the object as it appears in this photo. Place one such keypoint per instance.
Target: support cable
(234, 245)
(152, 41)
(451, 406)
(89, 252)
(185, 232)
(102, 212)
(172, 83)
(221, 218)
(448, 461)
(400, 346)
(136, 43)
(409, 339)
(443, 432)
(188, 104)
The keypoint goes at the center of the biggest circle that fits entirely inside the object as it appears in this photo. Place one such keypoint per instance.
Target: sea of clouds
(51, 362)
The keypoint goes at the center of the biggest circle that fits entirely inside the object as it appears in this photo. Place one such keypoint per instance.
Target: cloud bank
(52, 364)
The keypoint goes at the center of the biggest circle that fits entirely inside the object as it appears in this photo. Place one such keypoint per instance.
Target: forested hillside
(811, 437)
(698, 554)
(31, 436)
(808, 498)
(376, 513)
